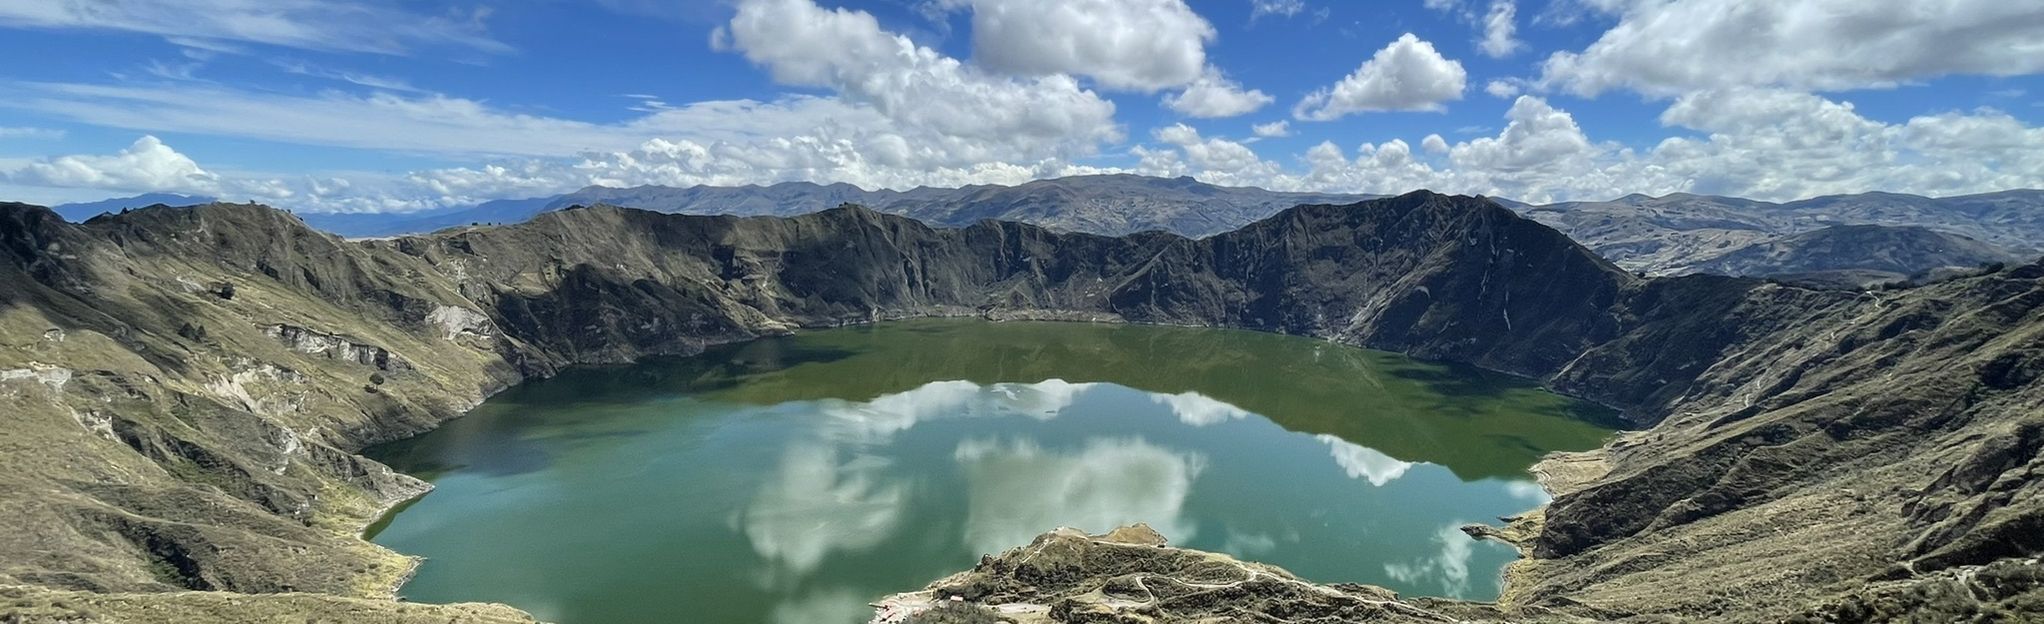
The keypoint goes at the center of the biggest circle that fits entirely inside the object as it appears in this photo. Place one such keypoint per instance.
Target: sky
(407, 105)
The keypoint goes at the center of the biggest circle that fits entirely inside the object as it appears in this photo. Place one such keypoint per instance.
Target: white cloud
(1778, 144)
(1215, 96)
(385, 121)
(1499, 39)
(1287, 8)
(1539, 139)
(801, 43)
(1434, 144)
(1275, 129)
(1762, 144)
(895, 114)
(376, 27)
(19, 132)
(905, 116)
(1407, 75)
(1668, 47)
(372, 81)
(147, 165)
(1144, 45)
(1218, 161)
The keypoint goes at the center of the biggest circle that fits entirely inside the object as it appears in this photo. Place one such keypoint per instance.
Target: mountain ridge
(219, 365)
(1669, 234)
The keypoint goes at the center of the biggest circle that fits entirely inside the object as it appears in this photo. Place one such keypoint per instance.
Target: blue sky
(394, 106)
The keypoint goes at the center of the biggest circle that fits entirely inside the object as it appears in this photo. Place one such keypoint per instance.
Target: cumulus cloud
(146, 165)
(1143, 45)
(1218, 161)
(1407, 75)
(1279, 128)
(1500, 30)
(1669, 47)
(801, 43)
(327, 25)
(902, 115)
(1762, 144)
(1779, 144)
(1434, 144)
(895, 114)
(1214, 96)
(1538, 140)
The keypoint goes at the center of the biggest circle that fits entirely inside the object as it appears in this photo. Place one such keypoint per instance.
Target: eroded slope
(186, 387)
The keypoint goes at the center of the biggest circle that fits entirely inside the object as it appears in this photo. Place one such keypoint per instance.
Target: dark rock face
(1802, 441)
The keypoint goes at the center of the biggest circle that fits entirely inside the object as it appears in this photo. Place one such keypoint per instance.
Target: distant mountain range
(1684, 233)
(1111, 205)
(1895, 236)
(1857, 255)
(85, 211)
(185, 390)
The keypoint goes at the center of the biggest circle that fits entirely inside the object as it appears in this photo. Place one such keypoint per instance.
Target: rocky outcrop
(226, 360)
(334, 346)
(1131, 575)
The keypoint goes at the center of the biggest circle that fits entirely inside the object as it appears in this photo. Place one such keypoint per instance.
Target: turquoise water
(796, 479)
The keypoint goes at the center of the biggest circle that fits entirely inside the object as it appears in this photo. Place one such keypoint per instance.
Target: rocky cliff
(186, 387)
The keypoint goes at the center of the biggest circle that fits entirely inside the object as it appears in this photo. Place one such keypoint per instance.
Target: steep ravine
(186, 387)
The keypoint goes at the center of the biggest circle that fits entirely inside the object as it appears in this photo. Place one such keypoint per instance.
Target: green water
(796, 479)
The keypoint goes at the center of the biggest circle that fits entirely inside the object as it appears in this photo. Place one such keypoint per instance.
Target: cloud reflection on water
(814, 505)
(1447, 568)
(1362, 462)
(1199, 410)
(831, 494)
(878, 420)
(1018, 490)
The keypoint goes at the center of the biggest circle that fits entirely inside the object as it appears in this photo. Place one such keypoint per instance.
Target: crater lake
(796, 479)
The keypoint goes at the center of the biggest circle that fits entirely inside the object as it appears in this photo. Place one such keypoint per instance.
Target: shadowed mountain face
(1679, 233)
(188, 385)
